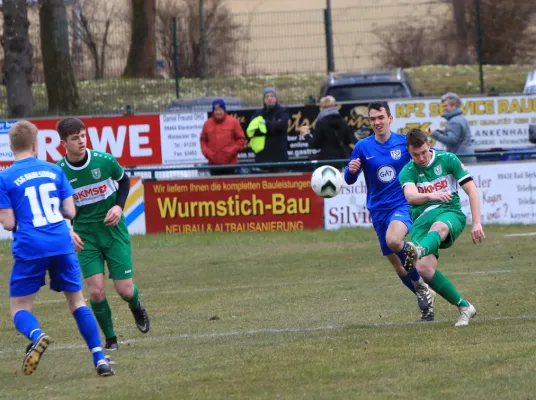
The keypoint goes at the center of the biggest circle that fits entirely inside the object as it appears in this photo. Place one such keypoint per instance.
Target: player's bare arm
(416, 199)
(354, 166)
(477, 232)
(7, 218)
(68, 209)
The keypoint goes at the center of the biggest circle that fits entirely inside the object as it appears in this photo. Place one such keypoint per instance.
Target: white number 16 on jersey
(44, 203)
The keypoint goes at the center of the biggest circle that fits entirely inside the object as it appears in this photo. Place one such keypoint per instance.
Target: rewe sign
(133, 140)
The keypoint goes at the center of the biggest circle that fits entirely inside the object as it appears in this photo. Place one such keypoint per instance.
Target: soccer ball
(326, 181)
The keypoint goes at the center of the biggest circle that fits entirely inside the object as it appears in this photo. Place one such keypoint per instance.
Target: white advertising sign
(179, 135)
(5, 152)
(496, 122)
(507, 196)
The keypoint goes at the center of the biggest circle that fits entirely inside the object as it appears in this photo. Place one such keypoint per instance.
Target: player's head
(418, 146)
(72, 133)
(23, 138)
(380, 117)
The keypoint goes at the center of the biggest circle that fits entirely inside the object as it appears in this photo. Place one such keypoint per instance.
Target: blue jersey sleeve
(5, 201)
(350, 178)
(65, 189)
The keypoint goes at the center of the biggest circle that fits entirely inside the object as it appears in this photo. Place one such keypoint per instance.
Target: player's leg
(26, 279)
(65, 277)
(119, 260)
(427, 266)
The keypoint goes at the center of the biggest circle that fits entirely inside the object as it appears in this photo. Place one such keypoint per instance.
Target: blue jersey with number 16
(35, 189)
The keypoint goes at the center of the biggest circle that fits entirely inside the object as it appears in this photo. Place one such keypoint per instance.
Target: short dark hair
(69, 126)
(416, 137)
(378, 105)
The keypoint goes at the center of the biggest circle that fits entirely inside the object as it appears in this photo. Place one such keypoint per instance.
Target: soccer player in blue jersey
(35, 197)
(381, 157)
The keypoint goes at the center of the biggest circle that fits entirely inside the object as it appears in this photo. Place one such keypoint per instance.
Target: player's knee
(97, 293)
(394, 243)
(441, 228)
(126, 293)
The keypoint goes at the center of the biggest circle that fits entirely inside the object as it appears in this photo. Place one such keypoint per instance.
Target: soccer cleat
(466, 313)
(34, 352)
(423, 293)
(428, 314)
(104, 369)
(109, 359)
(142, 319)
(111, 344)
(412, 255)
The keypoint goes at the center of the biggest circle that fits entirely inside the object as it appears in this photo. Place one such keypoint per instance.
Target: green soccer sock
(103, 314)
(430, 243)
(441, 284)
(134, 301)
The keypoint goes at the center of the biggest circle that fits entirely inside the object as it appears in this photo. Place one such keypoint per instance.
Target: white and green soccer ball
(326, 181)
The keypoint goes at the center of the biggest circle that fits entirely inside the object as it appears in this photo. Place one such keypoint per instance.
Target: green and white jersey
(445, 173)
(94, 184)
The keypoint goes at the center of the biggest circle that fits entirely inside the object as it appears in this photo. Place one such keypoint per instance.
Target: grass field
(111, 96)
(309, 315)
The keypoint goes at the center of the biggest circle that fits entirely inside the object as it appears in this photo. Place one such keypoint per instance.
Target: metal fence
(288, 50)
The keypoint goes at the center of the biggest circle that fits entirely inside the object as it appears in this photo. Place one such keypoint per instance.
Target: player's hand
(477, 233)
(114, 216)
(442, 197)
(78, 243)
(354, 166)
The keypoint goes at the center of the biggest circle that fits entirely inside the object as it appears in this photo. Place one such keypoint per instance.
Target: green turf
(111, 96)
(312, 315)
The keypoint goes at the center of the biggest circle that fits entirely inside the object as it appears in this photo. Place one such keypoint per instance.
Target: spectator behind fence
(457, 134)
(267, 132)
(331, 135)
(222, 138)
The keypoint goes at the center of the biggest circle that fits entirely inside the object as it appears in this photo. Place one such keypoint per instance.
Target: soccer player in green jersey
(99, 229)
(430, 182)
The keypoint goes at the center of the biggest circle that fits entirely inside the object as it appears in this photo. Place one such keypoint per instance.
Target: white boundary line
(276, 331)
(520, 234)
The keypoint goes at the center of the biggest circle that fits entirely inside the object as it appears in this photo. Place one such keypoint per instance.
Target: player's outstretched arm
(416, 199)
(68, 209)
(7, 218)
(477, 232)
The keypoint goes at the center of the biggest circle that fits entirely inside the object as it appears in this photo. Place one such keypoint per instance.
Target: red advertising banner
(232, 205)
(133, 140)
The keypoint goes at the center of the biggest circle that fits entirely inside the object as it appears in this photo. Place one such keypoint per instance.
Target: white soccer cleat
(413, 253)
(466, 313)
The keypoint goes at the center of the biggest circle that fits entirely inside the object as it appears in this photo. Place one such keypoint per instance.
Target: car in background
(530, 83)
(374, 85)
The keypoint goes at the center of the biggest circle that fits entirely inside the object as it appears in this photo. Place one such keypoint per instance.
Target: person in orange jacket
(222, 138)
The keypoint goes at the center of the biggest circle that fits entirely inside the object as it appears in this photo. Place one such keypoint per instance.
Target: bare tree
(141, 60)
(17, 68)
(61, 86)
(222, 35)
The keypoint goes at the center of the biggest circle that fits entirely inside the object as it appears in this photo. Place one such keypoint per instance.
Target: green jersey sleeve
(457, 169)
(406, 176)
(115, 170)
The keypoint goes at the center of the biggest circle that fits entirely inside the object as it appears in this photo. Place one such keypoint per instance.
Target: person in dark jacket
(457, 134)
(267, 132)
(331, 134)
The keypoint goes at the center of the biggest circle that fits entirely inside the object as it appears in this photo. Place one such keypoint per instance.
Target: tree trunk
(59, 75)
(462, 34)
(141, 58)
(17, 68)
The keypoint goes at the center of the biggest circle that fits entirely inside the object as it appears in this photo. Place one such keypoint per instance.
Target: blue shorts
(27, 277)
(382, 219)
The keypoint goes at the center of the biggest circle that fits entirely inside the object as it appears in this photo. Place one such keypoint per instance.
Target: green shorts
(455, 220)
(105, 243)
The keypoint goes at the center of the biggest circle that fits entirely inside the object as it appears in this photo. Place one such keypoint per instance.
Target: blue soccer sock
(402, 254)
(87, 325)
(406, 280)
(414, 274)
(26, 323)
